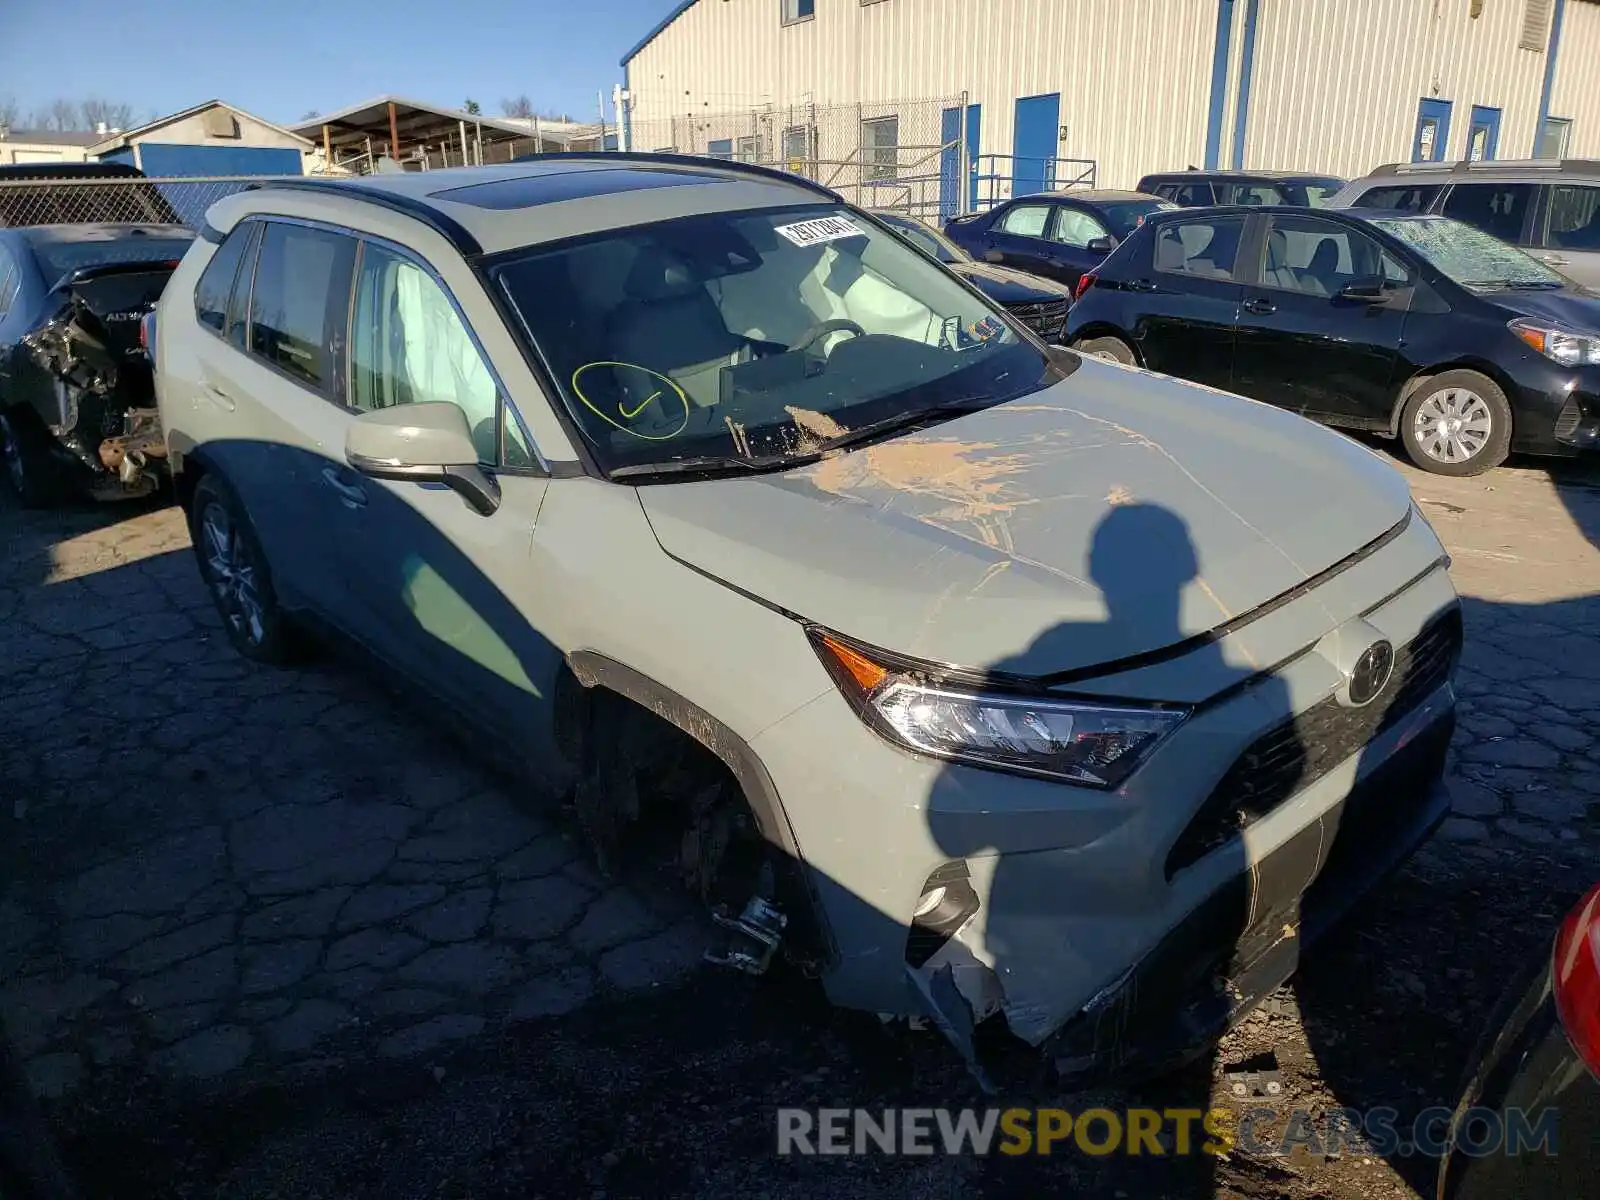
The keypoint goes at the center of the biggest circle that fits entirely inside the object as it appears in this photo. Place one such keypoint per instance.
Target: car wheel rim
(232, 571)
(1453, 425)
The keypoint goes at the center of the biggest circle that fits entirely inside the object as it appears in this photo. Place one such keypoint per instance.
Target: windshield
(1467, 255)
(926, 239)
(1125, 216)
(757, 336)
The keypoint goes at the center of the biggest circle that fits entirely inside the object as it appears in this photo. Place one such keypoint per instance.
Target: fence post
(964, 165)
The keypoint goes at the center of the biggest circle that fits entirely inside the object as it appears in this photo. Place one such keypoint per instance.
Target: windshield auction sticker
(821, 229)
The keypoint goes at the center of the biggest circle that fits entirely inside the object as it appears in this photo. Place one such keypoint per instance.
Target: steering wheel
(821, 330)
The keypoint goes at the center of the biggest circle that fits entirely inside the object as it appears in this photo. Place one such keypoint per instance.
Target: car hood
(1004, 285)
(1139, 509)
(1575, 307)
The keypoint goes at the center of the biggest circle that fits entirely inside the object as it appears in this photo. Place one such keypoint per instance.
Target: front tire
(1113, 349)
(1457, 423)
(33, 474)
(236, 574)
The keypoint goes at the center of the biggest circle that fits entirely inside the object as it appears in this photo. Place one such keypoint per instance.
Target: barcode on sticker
(822, 229)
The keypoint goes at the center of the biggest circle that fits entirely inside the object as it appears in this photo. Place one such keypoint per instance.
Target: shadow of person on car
(1130, 925)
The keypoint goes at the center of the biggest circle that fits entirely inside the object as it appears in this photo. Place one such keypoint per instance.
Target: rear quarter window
(216, 281)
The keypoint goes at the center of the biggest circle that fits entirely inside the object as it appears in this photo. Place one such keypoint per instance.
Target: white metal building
(1027, 92)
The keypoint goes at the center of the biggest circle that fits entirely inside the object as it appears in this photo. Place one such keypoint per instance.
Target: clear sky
(281, 58)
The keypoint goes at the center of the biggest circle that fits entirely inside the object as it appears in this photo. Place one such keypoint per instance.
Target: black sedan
(77, 399)
(1528, 1120)
(1040, 304)
(1409, 326)
(1056, 234)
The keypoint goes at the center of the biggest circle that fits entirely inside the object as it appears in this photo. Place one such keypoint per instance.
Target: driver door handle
(1260, 306)
(350, 495)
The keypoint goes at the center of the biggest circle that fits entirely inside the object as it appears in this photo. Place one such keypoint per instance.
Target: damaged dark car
(77, 398)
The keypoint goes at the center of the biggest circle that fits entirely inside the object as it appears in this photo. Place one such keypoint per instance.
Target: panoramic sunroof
(529, 191)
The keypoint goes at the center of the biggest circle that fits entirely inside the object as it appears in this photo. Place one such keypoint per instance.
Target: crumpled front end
(1122, 930)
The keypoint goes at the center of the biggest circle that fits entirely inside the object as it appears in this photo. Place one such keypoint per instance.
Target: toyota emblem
(1371, 673)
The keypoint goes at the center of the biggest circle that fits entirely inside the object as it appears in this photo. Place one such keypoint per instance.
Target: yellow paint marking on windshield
(630, 413)
(622, 408)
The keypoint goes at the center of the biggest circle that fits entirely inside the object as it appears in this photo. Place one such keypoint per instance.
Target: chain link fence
(90, 201)
(907, 156)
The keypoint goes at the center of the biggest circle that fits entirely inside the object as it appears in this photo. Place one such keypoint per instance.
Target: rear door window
(1263, 194)
(216, 281)
(1193, 195)
(1026, 220)
(1573, 217)
(1407, 197)
(1499, 209)
(1205, 248)
(299, 302)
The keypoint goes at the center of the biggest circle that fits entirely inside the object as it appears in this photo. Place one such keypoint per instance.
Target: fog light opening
(946, 904)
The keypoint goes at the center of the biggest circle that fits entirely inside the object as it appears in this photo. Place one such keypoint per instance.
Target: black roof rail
(446, 227)
(704, 162)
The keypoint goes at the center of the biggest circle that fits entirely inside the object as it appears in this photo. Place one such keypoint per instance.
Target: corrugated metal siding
(1134, 77)
(1338, 81)
(1576, 94)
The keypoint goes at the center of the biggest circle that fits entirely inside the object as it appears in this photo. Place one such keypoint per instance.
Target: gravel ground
(262, 934)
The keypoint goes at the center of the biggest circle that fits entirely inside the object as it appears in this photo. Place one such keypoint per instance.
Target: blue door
(949, 163)
(1483, 135)
(1033, 143)
(974, 124)
(1433, 131)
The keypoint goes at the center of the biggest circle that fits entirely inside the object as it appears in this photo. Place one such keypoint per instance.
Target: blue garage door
(1033, 144)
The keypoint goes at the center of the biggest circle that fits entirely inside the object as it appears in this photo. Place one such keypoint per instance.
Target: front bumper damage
(1238, 945)
(99, 408)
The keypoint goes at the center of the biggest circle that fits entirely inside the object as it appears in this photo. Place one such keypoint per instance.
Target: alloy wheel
(231, 566)
(1453, 425)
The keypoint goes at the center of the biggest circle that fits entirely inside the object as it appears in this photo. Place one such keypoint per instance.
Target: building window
(749, 150)
(1554, 138)
(720, 148)
(880, 148)
(798, 10)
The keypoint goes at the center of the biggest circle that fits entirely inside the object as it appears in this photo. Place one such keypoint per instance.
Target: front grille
(1044, 317)
(1567, 422)
(1303, 749)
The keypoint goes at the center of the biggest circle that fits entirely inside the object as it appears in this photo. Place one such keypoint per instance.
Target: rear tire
(1457, 423)
(33, 474)
(1112, 348)
(236, 574)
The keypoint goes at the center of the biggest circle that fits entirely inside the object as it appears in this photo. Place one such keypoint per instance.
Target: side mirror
(1368, 290)
(1102, 245)
(422, 443)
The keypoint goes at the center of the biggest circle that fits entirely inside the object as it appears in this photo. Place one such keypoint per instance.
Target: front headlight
(1087, 743)
(1565, 347)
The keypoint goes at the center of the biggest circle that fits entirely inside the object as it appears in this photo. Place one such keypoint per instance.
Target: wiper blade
(714, 463)
(903, 421)
(1530, 284)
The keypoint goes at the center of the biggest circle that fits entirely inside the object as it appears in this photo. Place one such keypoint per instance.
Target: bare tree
(60, 115)
(115, 116)
(10, 113)
(517, 106)
(310, 114)
(551, 114)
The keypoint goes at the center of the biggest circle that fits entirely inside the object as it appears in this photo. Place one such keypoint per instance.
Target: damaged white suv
(982, 678)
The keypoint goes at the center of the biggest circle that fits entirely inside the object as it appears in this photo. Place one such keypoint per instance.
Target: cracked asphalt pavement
(267, 933)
